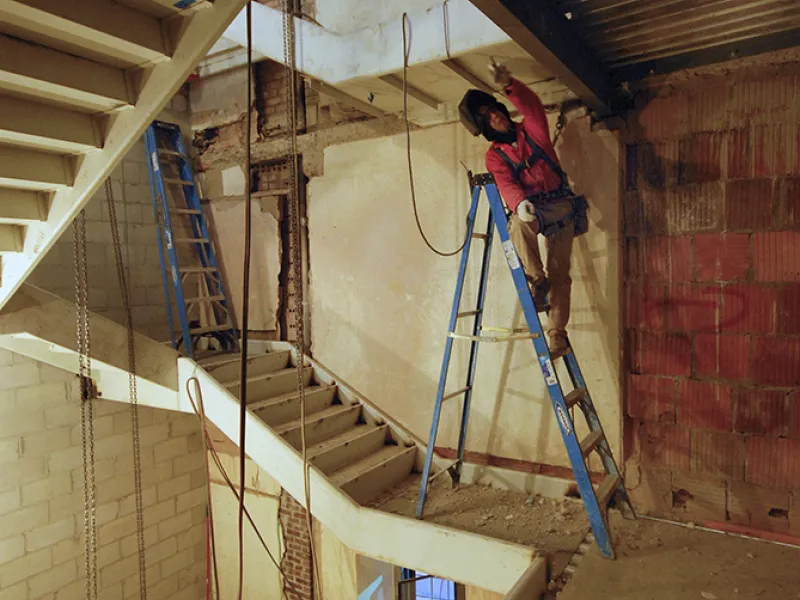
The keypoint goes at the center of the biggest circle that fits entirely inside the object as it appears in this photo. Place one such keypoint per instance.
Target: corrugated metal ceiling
(629, 32)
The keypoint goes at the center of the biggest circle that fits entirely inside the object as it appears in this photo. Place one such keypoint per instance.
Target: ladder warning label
(547, 369)
(511, 254)
(562, 417)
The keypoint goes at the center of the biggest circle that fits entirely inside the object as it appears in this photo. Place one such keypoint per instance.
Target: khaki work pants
(524, 236)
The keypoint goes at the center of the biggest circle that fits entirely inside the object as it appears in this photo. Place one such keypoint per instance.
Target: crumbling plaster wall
(380, 300)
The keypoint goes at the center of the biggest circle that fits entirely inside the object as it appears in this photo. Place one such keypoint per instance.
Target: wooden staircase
(80, 80)
(346, 440)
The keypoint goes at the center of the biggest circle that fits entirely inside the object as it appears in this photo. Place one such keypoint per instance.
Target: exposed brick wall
(712, 303)
(41, 493)
(296, 560)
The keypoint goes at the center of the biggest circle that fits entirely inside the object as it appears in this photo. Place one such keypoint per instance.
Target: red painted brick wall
(296, 560)
(712, 303)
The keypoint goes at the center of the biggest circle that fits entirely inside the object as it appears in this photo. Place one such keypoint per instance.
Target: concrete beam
(22, 206)
(329, 90)
(107, 28)
(550, 39)
(414, 92)
(46, 127)
(457, 67)
(41, 72)
(33, 170)
(375, 50)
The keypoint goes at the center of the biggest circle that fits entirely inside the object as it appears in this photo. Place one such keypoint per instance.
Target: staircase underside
(79, 83)
(41, 326)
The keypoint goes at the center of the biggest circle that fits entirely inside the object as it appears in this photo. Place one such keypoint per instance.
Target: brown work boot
(539, 293)
(558, 345)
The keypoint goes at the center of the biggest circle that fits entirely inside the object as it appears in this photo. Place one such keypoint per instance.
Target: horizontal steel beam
(549, 37)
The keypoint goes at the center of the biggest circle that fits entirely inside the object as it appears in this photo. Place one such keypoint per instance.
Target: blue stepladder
(169, 169)
(612, 488)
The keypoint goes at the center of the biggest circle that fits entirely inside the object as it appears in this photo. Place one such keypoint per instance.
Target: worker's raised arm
(507, 184)
(525, 100)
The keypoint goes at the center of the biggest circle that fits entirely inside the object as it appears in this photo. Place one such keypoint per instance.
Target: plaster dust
(552, 526)
(660, 561)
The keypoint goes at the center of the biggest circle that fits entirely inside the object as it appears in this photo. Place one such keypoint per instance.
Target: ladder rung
(174, 181)
(203, 299)
(188, 270)
(190, 240)
(467, 313)
(445, 470)
(457, 393)
(186, 211)
(574, 397)
(480, 236)
(607, 489)
(590, 442)
(493, 338)
(197, 330)
(165, 152)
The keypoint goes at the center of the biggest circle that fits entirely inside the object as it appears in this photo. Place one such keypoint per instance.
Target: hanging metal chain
(87, 404)
(134, 398)
(296, 250)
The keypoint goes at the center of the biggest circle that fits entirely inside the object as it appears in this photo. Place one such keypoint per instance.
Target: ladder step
(198, 330)
(189, 270)
(467, 313)
(174, 181)
(590, 442)
(190, 240)
(204, 299)
(607, 489)
(479, 236)
(574, 397)
(186, 211)
(457, 393)
(165, 152)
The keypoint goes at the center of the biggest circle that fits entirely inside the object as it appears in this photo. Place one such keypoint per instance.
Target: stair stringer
(41, 326)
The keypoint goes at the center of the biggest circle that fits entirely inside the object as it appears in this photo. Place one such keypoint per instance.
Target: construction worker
(535, 189)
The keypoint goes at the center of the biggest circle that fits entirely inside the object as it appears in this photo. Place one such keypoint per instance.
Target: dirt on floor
(551, 526)
(661, 561)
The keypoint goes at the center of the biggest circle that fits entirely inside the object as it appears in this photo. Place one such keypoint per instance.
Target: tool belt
(579, 215)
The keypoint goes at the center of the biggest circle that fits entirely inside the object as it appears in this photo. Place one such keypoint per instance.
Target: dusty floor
(655, 561)
(553, 526)
(658, 561)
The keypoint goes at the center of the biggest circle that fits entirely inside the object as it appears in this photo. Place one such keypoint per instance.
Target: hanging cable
(295, 219)
(245, 298)
(406, 51)
(199, 411)
(132, 391)
(87, 404)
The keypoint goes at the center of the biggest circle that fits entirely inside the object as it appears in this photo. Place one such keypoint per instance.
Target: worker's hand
(500, 74)
(526, 212)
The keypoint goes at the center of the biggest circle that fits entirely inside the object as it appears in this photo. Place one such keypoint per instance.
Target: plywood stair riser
(349, 447)
(367, 478)
(322, 425)
(228, 369)
(270, 385)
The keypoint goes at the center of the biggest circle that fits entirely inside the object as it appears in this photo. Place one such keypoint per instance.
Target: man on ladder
(525, 167)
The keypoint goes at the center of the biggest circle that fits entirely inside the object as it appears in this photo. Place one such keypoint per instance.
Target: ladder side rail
(567, 428)
(154, 166)
(448, 347)
(150, 145)
(474, 345)
(205, 250)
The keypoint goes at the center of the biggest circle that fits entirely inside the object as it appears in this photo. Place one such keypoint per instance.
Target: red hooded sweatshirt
(538, 178)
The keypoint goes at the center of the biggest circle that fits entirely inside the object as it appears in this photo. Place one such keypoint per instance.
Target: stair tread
(275, 400)
(223, 359)
(314, 417)
(342, 438)
(366, 464)
(235, 382)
